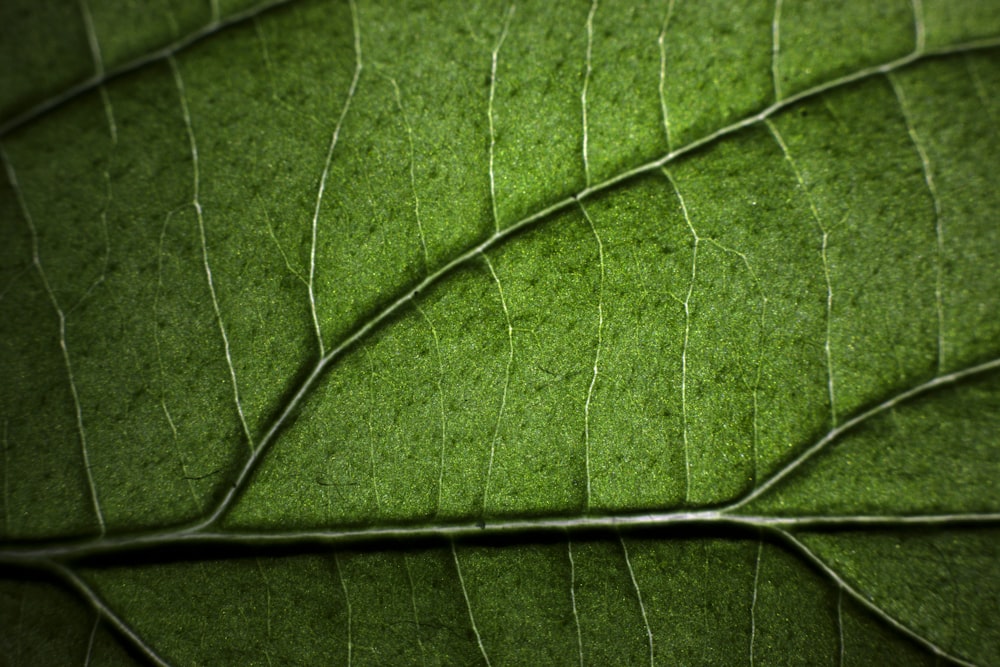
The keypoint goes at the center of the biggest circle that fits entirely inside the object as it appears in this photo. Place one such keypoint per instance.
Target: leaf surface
(343, 333)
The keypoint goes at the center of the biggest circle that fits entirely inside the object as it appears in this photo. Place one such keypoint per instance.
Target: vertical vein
(468, 605)
(638, 596)
(440, 388)
(572, 598)
(827, 347)
(776, 50)
(413, 601)
(841, 647)
(753, 600)
(586, 83)
(347, 604)
(162, 367)
(267, 600)
(371, 429)
(687, 335)
(63, 346)
(597, 353)
(413, 175)
(90, 641)
(196, 202)
(938, 222)
(95, 54)
(662, 42)
(506, 382)
(326, 172)
(919, 30)
(493, 137)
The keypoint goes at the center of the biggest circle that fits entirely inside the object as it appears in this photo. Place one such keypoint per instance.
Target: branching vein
(506, 381)
(833, 434)
(326, 172)
(867, 602)
(938, 222)
(440, 389)
(196, 202)
(572, 598)
(63, 346)
(597, 354)
(413, 174)
(827, 350)
(101, 607)
(687, 334)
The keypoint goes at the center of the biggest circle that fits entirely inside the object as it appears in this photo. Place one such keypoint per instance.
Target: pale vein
(938, 221)
(468, 605)
(869, 603)
(440, 390)
(326, 172)
(347, 604)
(827, 347)
(196, 202)
(661, 87)
(572, 599)
(506, 381)
(753, 600)
(413, 174)
(494, 58)
(597, 353)
(687, 334)
(638, 596)
(101, 607)
(776, 50)
(63, 346)
(586, 84)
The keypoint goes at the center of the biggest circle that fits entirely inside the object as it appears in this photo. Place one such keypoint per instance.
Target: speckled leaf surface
(483, 333)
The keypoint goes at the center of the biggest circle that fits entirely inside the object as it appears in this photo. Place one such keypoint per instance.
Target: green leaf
(341, 333)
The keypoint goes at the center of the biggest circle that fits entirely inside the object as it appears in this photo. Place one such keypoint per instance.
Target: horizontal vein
(197, 532)
(102, 76)
(459, 530)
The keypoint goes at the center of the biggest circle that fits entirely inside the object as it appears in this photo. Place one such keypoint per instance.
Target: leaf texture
(538, 333)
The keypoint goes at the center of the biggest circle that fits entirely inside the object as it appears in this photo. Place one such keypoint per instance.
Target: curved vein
(501, 235)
